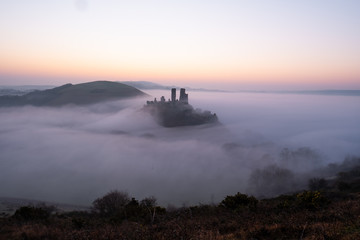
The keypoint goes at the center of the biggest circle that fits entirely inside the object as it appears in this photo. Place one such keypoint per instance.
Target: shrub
(112, 204)
(28, 213)
(133, 210)
(148, 202)
(239, 201)
(149, 205)
(311, 200)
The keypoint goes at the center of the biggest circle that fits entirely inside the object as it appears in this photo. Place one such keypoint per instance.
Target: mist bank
(267, 144)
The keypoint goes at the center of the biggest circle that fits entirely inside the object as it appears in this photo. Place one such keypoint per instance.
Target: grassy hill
(78, 94)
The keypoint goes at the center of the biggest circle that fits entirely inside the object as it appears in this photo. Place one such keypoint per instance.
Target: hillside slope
(78, 94)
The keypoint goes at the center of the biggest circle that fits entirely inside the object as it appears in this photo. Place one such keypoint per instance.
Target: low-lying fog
(267, 144)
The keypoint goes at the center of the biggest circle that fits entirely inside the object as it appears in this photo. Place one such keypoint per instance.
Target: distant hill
(11, 92)
(9, 205)
(6, 90)
(145, 85)
(78, 94)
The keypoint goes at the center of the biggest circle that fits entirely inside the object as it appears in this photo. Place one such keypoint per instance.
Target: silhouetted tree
(150, 204)
(271, 180)
(301, 159)
(113, 203)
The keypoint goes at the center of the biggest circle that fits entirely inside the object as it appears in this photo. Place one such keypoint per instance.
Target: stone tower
(173, 94)
(183, 96)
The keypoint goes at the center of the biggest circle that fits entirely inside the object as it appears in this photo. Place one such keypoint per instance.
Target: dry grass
(339, 219)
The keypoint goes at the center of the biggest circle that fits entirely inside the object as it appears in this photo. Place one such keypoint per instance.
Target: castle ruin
(178, 112)
(184, 97)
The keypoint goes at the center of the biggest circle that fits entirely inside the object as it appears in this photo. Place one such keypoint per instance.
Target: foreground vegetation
(329, 210)
(305, 216)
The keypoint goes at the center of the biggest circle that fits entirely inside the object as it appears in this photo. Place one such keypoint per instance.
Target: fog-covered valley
(266, 144)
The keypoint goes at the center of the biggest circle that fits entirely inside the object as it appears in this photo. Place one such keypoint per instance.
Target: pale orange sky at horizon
(233, 44)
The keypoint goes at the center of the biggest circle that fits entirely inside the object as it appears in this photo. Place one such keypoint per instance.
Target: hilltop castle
(174, 113)
(183, 97)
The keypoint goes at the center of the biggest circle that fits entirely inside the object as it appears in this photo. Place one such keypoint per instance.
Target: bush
(112, 204)
(311, 200)
(117, 206)
(28, 213)
(149, 205)
(148, 202)
(239, 201)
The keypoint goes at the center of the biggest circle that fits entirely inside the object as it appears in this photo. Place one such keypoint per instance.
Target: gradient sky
(253, 44)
